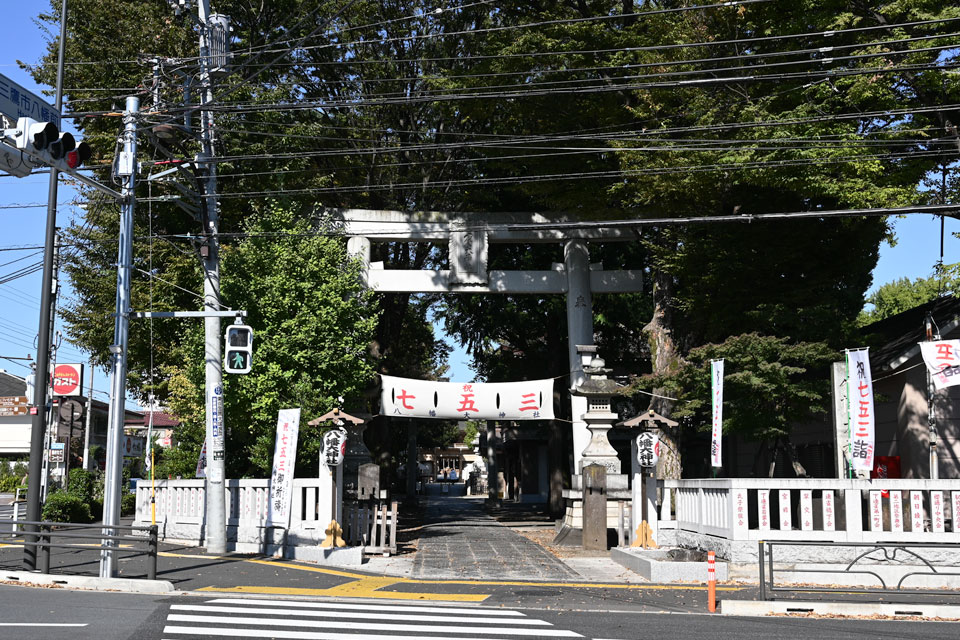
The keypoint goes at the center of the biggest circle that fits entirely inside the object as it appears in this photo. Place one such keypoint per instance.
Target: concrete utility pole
(932, 334)
(127, 170)
(86, 430)
(216, 521)
(42, 380)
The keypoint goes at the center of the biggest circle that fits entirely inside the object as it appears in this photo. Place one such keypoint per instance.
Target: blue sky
(914, 256)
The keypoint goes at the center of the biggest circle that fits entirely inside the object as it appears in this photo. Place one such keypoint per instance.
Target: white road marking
(477, 611)
(283, 634)
(373, 626)
(42, 624)
(363, 615)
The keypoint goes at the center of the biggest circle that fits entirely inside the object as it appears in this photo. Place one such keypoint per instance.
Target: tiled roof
(12, 385)
(161, 420)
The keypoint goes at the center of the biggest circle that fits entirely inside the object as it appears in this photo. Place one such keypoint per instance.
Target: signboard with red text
(409, 398)
(67, 379)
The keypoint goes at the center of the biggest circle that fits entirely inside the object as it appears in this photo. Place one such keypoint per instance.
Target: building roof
(894, 340)
(12, 385)
(161, 420)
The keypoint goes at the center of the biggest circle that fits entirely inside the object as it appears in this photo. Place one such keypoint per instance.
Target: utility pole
(42, 383)
(127, 170)
(86, 430)
(932, 334)
(216, 521)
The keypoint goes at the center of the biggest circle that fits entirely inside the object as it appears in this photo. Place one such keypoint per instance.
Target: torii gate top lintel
(468, 236)
(502, 227)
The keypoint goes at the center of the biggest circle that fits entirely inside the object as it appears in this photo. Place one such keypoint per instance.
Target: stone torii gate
(468, 236)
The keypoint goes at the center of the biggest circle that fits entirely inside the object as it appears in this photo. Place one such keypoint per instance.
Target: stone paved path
(459, 540)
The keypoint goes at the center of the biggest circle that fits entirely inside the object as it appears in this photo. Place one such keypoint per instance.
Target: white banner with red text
(284, 460)
(862, 418)
(409, 398)
(942, 358)
(716, 395)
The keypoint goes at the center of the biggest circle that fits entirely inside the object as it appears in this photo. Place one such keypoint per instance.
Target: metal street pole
(86, 430)
(216, 521)
(42, 381)
(127, 169)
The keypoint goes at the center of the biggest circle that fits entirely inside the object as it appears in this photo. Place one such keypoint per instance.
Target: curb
(799, 607)
(128, 585)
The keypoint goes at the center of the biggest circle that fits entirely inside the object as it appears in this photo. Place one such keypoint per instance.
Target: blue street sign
(17, 102)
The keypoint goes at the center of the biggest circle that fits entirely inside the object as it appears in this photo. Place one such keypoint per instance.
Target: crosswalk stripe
(284, 634)
(200, 608)
(370, 626)
(475, 611)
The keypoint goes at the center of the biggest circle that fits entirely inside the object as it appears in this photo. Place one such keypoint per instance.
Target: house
(902, 393)
(164, 426)
(14, 429)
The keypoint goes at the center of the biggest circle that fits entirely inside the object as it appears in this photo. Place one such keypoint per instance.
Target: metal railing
(43, 534)
(874, 560)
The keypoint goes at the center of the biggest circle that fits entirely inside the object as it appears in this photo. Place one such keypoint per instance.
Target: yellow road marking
(357, 589)
(331, 572)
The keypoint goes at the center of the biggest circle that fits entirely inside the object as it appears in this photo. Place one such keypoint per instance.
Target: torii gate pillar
(576, 260)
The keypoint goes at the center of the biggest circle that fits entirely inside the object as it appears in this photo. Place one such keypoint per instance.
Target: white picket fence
(733, 514)
(180, 514)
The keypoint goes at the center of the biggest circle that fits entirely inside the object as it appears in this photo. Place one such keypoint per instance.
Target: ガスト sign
(67, 379)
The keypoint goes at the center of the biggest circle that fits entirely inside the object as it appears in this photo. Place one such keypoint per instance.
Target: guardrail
(738, 512)
(887, 563)
(42, 540)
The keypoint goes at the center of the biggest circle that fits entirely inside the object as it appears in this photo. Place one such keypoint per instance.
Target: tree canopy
(600, 109)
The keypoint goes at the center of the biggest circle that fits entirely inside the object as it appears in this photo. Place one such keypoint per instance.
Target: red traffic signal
(78, 156)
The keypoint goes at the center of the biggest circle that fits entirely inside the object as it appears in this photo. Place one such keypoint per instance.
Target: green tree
(770, 384)
(313, 323)
(904, 294)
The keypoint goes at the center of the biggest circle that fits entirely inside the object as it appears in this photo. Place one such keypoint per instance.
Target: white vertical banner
(201, 471)
(829, 513)
(896, 511)
(763, 508)
(862, 419)
(916, 511)
(806, 510)
(284, 460)
(716, 395)
(786, 515)
(956, 511)
(876, 511)
(937, 512)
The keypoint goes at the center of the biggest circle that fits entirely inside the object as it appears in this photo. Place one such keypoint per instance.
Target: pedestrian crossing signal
(238, 350)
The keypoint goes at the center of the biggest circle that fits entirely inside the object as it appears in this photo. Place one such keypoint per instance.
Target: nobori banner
(942, 358)
(409, 398)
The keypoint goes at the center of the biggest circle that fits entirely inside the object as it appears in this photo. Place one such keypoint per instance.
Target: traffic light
(238, 350)
(43, 142)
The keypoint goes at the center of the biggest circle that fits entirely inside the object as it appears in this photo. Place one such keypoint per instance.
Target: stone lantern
(598, 390)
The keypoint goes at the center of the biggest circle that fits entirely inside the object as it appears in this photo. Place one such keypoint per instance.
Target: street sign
(14, 406)
(71, 410)
(56, 452)
(17, 102)
(648, 449)
(132, 446)
(67, 379)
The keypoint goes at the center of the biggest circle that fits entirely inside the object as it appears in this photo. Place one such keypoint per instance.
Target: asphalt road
(55, 614)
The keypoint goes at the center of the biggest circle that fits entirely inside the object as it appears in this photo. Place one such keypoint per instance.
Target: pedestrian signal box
(238, 350)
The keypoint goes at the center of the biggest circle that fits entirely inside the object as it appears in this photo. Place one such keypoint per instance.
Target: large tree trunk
(666, 360)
